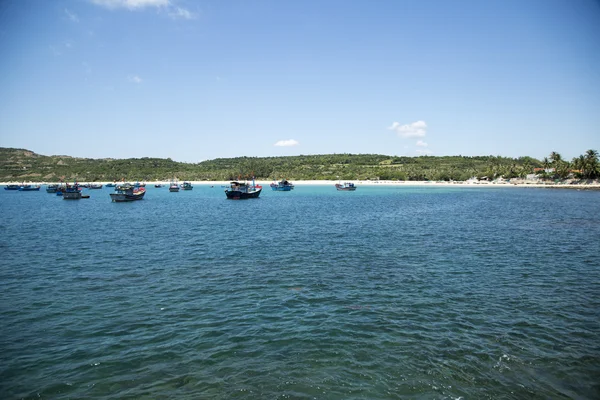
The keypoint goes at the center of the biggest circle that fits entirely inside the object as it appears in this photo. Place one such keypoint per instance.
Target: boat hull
(123, 197)
(238, 195)
(345, 188)
(72, 195)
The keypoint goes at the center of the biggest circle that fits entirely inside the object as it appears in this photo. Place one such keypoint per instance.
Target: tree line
(586, 166)
(25, 165)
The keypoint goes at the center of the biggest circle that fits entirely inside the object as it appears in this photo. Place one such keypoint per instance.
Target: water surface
(386, 292)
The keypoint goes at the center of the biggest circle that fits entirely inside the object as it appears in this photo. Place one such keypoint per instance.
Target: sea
(388, 292)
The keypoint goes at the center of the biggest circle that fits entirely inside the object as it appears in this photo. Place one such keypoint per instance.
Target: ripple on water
(381, 293)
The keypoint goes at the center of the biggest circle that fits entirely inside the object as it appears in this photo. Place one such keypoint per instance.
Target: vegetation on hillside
(25, 165)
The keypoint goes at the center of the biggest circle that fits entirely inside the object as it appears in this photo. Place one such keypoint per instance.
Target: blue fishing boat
(187, 186)
(27, 188)
(60, 190)
(12, 187)
(282, 186)
(52, 188)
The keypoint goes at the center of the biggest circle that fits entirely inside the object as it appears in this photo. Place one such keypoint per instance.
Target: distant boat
(187, 186)
(347, 186)
(72, 192)
(127, 192)
(12, 187)
(60, 190)
(52, 188)
(27, 188)
(173, 187)
(111, 185)
(158, 185)
(282, 186)
(138, 184)
(241, 190)
(95, 186)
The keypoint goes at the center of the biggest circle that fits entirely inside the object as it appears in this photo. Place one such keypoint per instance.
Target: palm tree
(546, 163)
(591, 162)
(579, 163)
(556, 158)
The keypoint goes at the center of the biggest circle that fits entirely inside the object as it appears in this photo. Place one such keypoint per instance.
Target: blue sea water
(382, 293)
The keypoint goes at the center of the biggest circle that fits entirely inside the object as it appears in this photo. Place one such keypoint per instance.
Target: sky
(193, 80)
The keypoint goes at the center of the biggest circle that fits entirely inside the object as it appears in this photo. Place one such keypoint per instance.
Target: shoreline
(466, 184)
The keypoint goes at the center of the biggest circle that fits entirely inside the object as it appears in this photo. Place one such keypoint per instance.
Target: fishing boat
(282, 186)
(27, 188)
(12, 187)
(158, 185)
(60, 190)
(52, 188)
(347, 186)
(187, 186)
(95, 186)
(242, 190)
(173, 187)
(127, 192)
(111, 185)
(72, 192)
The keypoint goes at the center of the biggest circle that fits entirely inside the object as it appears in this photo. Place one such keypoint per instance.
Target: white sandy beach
(358, 183)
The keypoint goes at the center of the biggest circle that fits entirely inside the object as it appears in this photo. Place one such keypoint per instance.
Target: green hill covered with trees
(25, 165)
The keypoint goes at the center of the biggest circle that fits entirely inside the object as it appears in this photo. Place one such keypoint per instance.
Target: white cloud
(287, 143)
(415, 129)
(131, 4)
(178, 12)
(134, 79)
(422, 143)
(424, 152)
(167, 6)
(72, 16)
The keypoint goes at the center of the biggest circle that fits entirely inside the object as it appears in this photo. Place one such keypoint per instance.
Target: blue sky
(196, 80)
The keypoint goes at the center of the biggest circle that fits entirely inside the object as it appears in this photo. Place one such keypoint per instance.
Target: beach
(569, 184)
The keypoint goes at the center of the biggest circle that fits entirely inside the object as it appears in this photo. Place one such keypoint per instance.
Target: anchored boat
(347, 186)
(127, 192)
(282, 186)
(242, 190)
(27, 188)
(71, 192)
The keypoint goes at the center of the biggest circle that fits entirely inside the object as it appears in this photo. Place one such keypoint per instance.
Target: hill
(25, 165)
